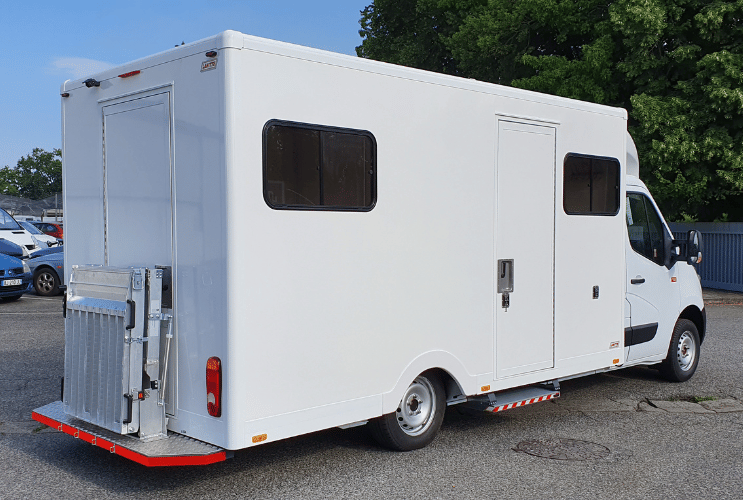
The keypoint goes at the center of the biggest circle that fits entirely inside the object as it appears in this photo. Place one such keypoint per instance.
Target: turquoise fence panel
(722, 259)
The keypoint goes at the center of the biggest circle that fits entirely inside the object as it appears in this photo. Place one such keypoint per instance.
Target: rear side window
(590, 185)
(314, 167)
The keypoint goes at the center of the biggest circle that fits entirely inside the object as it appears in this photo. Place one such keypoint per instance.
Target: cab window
(645, 228)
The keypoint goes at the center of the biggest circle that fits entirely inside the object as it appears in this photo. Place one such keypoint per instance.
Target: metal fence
(47, 209)
(722, 259)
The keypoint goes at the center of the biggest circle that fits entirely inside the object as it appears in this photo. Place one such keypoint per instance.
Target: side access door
(524, 248)
(138, 194)
(138, 210)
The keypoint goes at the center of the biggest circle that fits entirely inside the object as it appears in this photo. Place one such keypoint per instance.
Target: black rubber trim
(640, 334)
(129, 409)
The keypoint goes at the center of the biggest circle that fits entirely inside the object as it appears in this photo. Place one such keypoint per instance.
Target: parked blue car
(12, 249)
(48, 273)
(15, 278)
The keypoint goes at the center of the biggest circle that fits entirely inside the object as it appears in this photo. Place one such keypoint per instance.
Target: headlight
(26, 269)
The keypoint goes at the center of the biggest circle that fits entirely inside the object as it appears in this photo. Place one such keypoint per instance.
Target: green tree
(674, 64)
(36, 176)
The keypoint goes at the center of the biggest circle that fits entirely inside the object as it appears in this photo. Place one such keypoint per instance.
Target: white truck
(267, 240)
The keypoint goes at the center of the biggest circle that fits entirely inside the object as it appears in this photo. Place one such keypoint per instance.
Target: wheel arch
(698, 317)
(451, 371)
(40, 268)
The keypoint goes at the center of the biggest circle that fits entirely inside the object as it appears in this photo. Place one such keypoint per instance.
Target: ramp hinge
(129, 340)
(137, 280)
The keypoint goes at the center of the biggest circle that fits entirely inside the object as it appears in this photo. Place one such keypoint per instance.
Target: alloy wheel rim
(46, 282)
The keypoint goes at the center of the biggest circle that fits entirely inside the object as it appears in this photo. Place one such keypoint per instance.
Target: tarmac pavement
(625, 434)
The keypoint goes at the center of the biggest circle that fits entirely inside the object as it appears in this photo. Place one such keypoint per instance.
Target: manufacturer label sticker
(208, 65)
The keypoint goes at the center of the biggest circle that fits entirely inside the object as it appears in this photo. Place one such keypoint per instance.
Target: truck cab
(664, 310)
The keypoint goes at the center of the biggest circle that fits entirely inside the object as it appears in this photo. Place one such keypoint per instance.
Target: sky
(47, 42)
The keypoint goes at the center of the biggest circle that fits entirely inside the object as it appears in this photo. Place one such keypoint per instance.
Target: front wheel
(683, 352)
(46, 282)
(418, 416)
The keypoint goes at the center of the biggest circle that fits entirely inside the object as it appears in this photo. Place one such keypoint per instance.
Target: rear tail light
(214, 387)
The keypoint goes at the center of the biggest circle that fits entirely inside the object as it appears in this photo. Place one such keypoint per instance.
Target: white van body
(323, 318)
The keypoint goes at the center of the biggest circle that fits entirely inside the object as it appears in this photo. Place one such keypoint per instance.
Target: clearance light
(260, 438)
(211, 53)
(673, 280)
(131, 73)
(214, 387)
(485, 388)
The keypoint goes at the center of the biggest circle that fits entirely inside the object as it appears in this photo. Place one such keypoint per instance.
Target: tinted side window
(590, 185)
(309, 167)
(645, 228)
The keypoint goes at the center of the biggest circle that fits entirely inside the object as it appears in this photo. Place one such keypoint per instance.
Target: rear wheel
(46, 282)
(418, 416)
(683, 352)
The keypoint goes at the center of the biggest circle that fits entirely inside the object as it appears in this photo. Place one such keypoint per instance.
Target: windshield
(30, 227)
(6, 221)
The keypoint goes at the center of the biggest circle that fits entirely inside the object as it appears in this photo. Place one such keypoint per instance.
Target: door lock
(505, 281)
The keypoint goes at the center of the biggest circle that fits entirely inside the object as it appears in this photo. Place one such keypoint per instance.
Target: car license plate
(12, 282)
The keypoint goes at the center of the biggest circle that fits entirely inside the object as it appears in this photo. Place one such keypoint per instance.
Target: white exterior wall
(324, 318)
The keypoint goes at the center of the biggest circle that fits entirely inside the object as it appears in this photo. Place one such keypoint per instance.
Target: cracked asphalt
(664, 440)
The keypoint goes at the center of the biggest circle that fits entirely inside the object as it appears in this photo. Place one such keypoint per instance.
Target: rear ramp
(173, 451)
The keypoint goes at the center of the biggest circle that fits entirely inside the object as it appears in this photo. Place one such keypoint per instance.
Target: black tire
(11, 298)
(683, 352)
(46, 282)
(417, 419)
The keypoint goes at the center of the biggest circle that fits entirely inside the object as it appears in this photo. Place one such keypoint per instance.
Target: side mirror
(694, 247)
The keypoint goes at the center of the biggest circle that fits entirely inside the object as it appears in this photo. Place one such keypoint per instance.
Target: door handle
(505, 275)
(637, 281)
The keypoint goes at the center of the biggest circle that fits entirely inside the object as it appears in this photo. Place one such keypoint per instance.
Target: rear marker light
(214, 387)
(211, 53)
(131, 73)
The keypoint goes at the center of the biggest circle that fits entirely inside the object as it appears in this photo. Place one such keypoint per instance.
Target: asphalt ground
(654, 442)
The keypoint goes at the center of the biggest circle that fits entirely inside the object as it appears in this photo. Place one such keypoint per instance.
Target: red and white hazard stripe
(524, 402)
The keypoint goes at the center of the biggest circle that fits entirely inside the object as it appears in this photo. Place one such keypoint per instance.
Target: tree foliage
(36, 176)
(676, 65)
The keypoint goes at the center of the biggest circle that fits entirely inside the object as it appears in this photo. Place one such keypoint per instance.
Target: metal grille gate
(112, 349)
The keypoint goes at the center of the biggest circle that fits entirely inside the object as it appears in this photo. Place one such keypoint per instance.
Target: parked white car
(12, 231)
(42, 240)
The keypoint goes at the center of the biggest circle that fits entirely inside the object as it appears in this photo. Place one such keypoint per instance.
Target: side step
(513, 398)
(175, 450)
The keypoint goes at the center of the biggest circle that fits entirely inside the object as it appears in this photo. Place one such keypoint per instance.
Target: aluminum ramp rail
(173, 451)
